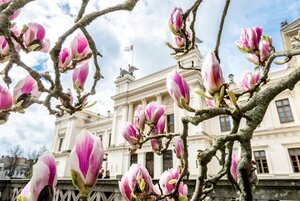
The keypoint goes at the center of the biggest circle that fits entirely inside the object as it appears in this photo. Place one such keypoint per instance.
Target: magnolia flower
(159, 128)
(34, 38)
(139, 118)
(179, 147)
(180, 41)
(168, 181)
(136, 183)
(212, 73)
(43, 181)
(24, 89)
(178, 88)
(176, 20)
(253, 59)
(85, 161)
(250, 80)
(80, 75)
(130, 134)
(15, 14)
(249, 39)
(264, 50)
(64, 60)
(5, 99)
(154, 112)
(4, 47)
(156, 144)
(79, 47)
(234, 164)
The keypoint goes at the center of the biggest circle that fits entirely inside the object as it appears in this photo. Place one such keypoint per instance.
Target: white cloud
(147, 28)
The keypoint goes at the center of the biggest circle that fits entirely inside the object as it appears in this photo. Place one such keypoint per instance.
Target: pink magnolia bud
(79, 47)
(130, 134)
(210, 102)
(265, 50)
(15, 14)
(26, 87)
(249, 39)
(168, 181)
(154, 112)
(85, 161)
(64, 60)
(212, 73)
(160, 125)
(176, 20)
(80, 75)
(179, 147)
(140, 118)
(250, 80)
(253, 59)
(156, 145)
(34, 38)
(44, 179)
(233, 167)
(180, 41)
(178, 88)
(136, 182)
(5, 99)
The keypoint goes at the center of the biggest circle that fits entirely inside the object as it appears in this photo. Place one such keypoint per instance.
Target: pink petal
(95, 162)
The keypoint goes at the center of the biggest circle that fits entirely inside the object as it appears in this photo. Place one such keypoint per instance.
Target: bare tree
(32, 159)
(14, 159)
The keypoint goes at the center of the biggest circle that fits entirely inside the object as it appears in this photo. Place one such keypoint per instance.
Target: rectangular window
(133, 159)
(224, 123)
(170, 123)
(295, 158)
(100, 136)
(150, 163)
(61, 141)
(109, 139)
(284, 111)
(261, 161)
(167, 160)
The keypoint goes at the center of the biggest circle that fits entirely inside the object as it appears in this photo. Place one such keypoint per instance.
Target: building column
(69, 133)
(158, 99)
(142, 159)
(144, 102)
(158, 166)
(113, 130)
(130, 112)
(125, 113)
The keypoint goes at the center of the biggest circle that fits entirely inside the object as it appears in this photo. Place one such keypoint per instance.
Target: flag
(128, 48)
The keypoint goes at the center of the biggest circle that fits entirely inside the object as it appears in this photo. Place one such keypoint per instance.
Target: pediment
(292, 26)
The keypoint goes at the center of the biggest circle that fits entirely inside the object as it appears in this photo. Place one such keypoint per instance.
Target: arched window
(167, 160)
(150, 163)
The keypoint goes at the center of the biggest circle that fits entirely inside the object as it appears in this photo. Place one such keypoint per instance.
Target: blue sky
(147, 28)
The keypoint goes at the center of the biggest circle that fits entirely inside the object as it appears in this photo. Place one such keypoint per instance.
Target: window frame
(167, 160)
(285, 112)
(149, 163)
(226, 128)
(131, 160)
(297, 159)
(170, 125)
(260, 163)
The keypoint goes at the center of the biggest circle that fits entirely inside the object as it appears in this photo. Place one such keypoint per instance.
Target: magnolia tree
(86, 157)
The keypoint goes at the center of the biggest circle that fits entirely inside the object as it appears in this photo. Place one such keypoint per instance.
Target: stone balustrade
(108, 190)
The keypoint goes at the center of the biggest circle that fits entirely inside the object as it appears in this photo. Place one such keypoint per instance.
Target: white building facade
(276, 142)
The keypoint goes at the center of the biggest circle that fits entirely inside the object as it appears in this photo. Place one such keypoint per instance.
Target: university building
(275, 143)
